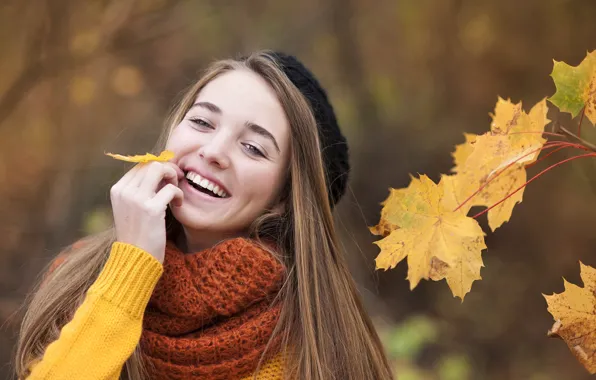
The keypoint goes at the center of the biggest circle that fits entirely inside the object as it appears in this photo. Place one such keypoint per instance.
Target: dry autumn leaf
(495, 161)
(576, 87)
(574, 312)
(164, 156)
(437, 241)
(463, 151)
(386, 225)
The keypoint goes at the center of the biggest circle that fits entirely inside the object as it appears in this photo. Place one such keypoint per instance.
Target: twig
(537, 132)
(573, 136)
(555, 151)
(37, 70)
(532, 179)
(579, 126)
(548, 145)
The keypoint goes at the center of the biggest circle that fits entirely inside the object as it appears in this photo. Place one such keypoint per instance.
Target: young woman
(222, 263)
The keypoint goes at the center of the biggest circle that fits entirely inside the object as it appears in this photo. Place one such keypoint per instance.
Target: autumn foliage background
(407, 78)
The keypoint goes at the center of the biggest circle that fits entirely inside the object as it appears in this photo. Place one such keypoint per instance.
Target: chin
(198, 220)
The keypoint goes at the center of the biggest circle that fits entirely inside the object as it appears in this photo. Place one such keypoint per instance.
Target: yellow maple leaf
(437, 241)
(463, 151)
(523, 131)
(574, 312)
(164, 156)
(386, 223)
(495, 161)
(465, 268)
(499, 187)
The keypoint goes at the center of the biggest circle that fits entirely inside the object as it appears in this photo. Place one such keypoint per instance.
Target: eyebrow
(262, 132)
(209, 106)
(252, 126)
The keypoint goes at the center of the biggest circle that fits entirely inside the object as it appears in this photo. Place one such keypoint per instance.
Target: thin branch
(579, 126)
(545, 146)
(32, 64)
(37, 70)
(540, 132)
(571, 135)
(532, 179)
(555, 151)
(19, 89)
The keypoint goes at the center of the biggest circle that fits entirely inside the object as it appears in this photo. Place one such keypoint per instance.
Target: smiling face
(233, 146)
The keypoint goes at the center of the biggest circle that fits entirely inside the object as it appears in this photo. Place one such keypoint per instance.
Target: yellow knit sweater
(107, 326)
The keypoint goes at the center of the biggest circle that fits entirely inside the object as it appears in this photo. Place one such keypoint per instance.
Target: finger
(127, 178)
(169, 193)
(179, 172)
(140, 174)
(173, 180)
(164, 182)
(154, 176)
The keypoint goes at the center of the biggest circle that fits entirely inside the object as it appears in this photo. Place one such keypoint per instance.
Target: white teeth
(193, 176)
(205, 183)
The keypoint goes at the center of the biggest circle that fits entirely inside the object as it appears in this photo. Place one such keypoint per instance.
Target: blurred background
(407, 79)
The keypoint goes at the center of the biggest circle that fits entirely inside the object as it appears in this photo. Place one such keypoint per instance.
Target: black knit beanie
(333, 143)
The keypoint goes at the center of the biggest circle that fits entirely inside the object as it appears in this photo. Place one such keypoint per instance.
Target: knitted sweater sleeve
(106, 328)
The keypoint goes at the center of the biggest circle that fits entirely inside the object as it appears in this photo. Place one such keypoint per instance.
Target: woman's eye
(201, 123)
(253, 150)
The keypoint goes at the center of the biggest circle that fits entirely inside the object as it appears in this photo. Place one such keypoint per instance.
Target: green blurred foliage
(410, 337)
(406, 342)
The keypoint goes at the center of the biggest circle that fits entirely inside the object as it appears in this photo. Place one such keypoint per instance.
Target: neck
(190, 241)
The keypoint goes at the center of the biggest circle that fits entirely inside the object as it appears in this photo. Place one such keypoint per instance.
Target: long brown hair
(325, 331)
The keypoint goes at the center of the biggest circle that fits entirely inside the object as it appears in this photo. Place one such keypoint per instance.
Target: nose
(215, 150)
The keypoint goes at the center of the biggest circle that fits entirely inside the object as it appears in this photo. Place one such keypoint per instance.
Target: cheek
(179, 139)
(262, 186)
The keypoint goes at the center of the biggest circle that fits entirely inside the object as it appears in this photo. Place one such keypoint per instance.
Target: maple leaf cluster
(428, 223)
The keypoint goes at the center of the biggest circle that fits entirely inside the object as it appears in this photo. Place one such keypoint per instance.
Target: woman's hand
(139, 202)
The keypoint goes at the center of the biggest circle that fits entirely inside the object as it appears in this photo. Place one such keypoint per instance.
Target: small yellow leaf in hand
(438, 241)
(574, 312)
(164, 156)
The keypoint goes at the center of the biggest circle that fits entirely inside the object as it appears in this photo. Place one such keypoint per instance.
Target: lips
(205, 186)
(193, 192)
(203, 174)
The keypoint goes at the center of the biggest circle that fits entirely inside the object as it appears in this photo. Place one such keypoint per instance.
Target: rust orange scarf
(210, 315)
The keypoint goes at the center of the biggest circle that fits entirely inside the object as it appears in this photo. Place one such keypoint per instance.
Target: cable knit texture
(203, 315)
(210, 315)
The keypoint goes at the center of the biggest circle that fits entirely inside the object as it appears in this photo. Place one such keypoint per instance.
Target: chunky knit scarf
(210, 315)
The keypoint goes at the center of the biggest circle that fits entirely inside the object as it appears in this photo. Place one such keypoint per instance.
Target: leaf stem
(581, 118)
(587, 144)
(532, 179)
(540, 132)
(545, 146)
(570, 145)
